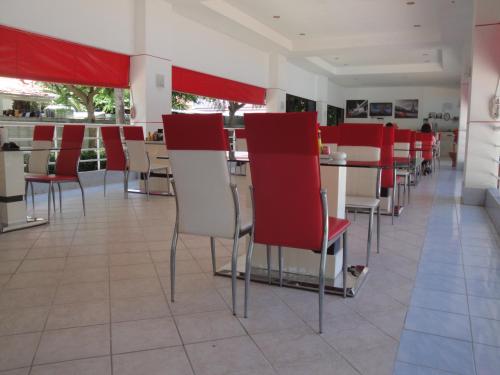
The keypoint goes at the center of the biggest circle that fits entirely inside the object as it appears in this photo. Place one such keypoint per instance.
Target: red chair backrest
(115, 156)
(329, 134)
(387, 157)
(370, 135)
(402, 136)
(426, 139)
(43, 133)
(71, 148)
(286, 213)
(240, 133)
(413, 139)
(133, 133)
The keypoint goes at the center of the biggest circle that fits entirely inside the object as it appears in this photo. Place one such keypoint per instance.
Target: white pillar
(151, 66)
(462, 126)
(483, 133)
(322, 98)
(276, 93)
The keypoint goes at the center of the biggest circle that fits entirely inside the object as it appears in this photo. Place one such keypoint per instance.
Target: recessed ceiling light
(336, 58)
(302, 34)
(425, 54)
(417, 25)
(427, 61)
(346, 64)
(410, 3)
(276, 17)
(453, 1)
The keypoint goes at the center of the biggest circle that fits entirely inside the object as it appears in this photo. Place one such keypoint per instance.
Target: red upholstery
(413, 139)
(426, 139)
(43, 133)
(402, 136)
(71, 147)
(133, 133)
(387, 158)
(115, 156)
(240, 133)
(336, 227)
(195, 132)
(287, 213)
(329, 134)
(370, 135)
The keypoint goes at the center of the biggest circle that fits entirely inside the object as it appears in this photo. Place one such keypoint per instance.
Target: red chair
(402, 146)
(115, 156)
(363, 143)
(66, 164)
(43, 136)
(206, 200)
(286, 213)
(330, 137)
(387, 158)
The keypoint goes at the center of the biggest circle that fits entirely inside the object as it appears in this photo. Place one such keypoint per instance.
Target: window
(298, 104)
(334, 115)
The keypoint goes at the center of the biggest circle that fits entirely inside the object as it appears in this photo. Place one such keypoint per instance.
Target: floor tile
(401, 368)
(487, 359)
(228, 356)
(484, 307)
(485, 331)
(23, 320)
(273, 318)
(17, 350)
(26, 297)
(139, 308)
(73, 343)
(144, 334)
(436, 352)
(82, 292)
(78, 314)
(442, 301)
(90, 366)
(166, 361)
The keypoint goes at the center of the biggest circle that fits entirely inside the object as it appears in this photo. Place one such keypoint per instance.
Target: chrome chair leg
(26, 193)
(32, 198)
(248, 270)
(370, 230)
(83, 196)
(280, 257)
(127, 173)
(212, 248)
(268, 253)
(173, 250)
(393, 199)
(378, 229)
(322, 269)
(53, 197)
(409, 184)
(234, 270)
(146, 183)
(60, 196)
(105, 174)
(50, 189)
(344, 263)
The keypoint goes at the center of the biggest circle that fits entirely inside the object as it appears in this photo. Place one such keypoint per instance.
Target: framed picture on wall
(356, 109)
(380, 109)
(406, 108)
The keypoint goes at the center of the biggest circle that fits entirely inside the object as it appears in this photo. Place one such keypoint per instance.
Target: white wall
(431, 99)
(300, 82)
(336, 95)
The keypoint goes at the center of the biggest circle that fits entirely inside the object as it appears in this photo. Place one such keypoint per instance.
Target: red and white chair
(240, 144)
(287, 213)
(388, 174)
(363, 143)
(115, 156)
(207, 202)
(402, 145)
(66, 164)
(38, 163)
(138, 157)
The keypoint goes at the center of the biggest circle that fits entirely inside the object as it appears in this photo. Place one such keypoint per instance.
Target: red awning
(32, 56)
(192, 82)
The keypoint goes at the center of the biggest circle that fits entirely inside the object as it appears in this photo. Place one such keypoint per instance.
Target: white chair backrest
(137, 156)
(401, 149)
(39, 157)
(418, 144)
(241, 144)
(204, 196)
(361, 182)
(333, 147)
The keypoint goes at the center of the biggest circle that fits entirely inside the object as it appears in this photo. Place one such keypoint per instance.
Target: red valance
(192, 82)
(31, 56)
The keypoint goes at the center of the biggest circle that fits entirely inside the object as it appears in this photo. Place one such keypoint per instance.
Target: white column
(462, 126)
(151, 66)
(322, 98)
(483, 133)
(276, 93)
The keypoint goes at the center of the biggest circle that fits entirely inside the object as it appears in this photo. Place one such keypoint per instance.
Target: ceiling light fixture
(410, 3)
(417, 25)
(302, 34)
(425, 54)
(276, 17)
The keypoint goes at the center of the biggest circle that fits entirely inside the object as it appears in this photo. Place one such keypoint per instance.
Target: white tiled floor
(88, 295)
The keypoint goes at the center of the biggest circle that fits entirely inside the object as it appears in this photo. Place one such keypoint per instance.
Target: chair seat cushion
(402, 172)
(336, 227)
(158, 166)
(245, 227)
(49, 178)
(361, 202)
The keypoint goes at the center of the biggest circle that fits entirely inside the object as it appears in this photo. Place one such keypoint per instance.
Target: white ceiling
(353, 42)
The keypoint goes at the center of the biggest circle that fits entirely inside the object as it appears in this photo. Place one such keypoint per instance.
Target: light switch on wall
(160, 80)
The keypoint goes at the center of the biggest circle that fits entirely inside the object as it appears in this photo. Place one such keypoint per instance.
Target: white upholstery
(362, 202)
(204, 197)
(241, 144)
(401, 149)
(333, 147)
(137, 156)
(361, 182)
(39, 158)
(418, 144)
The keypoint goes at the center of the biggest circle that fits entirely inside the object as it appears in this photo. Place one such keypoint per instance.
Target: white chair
(207, 202)
(138, 157)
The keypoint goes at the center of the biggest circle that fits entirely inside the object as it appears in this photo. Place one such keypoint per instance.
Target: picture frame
(357, 108)
(406, 108)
